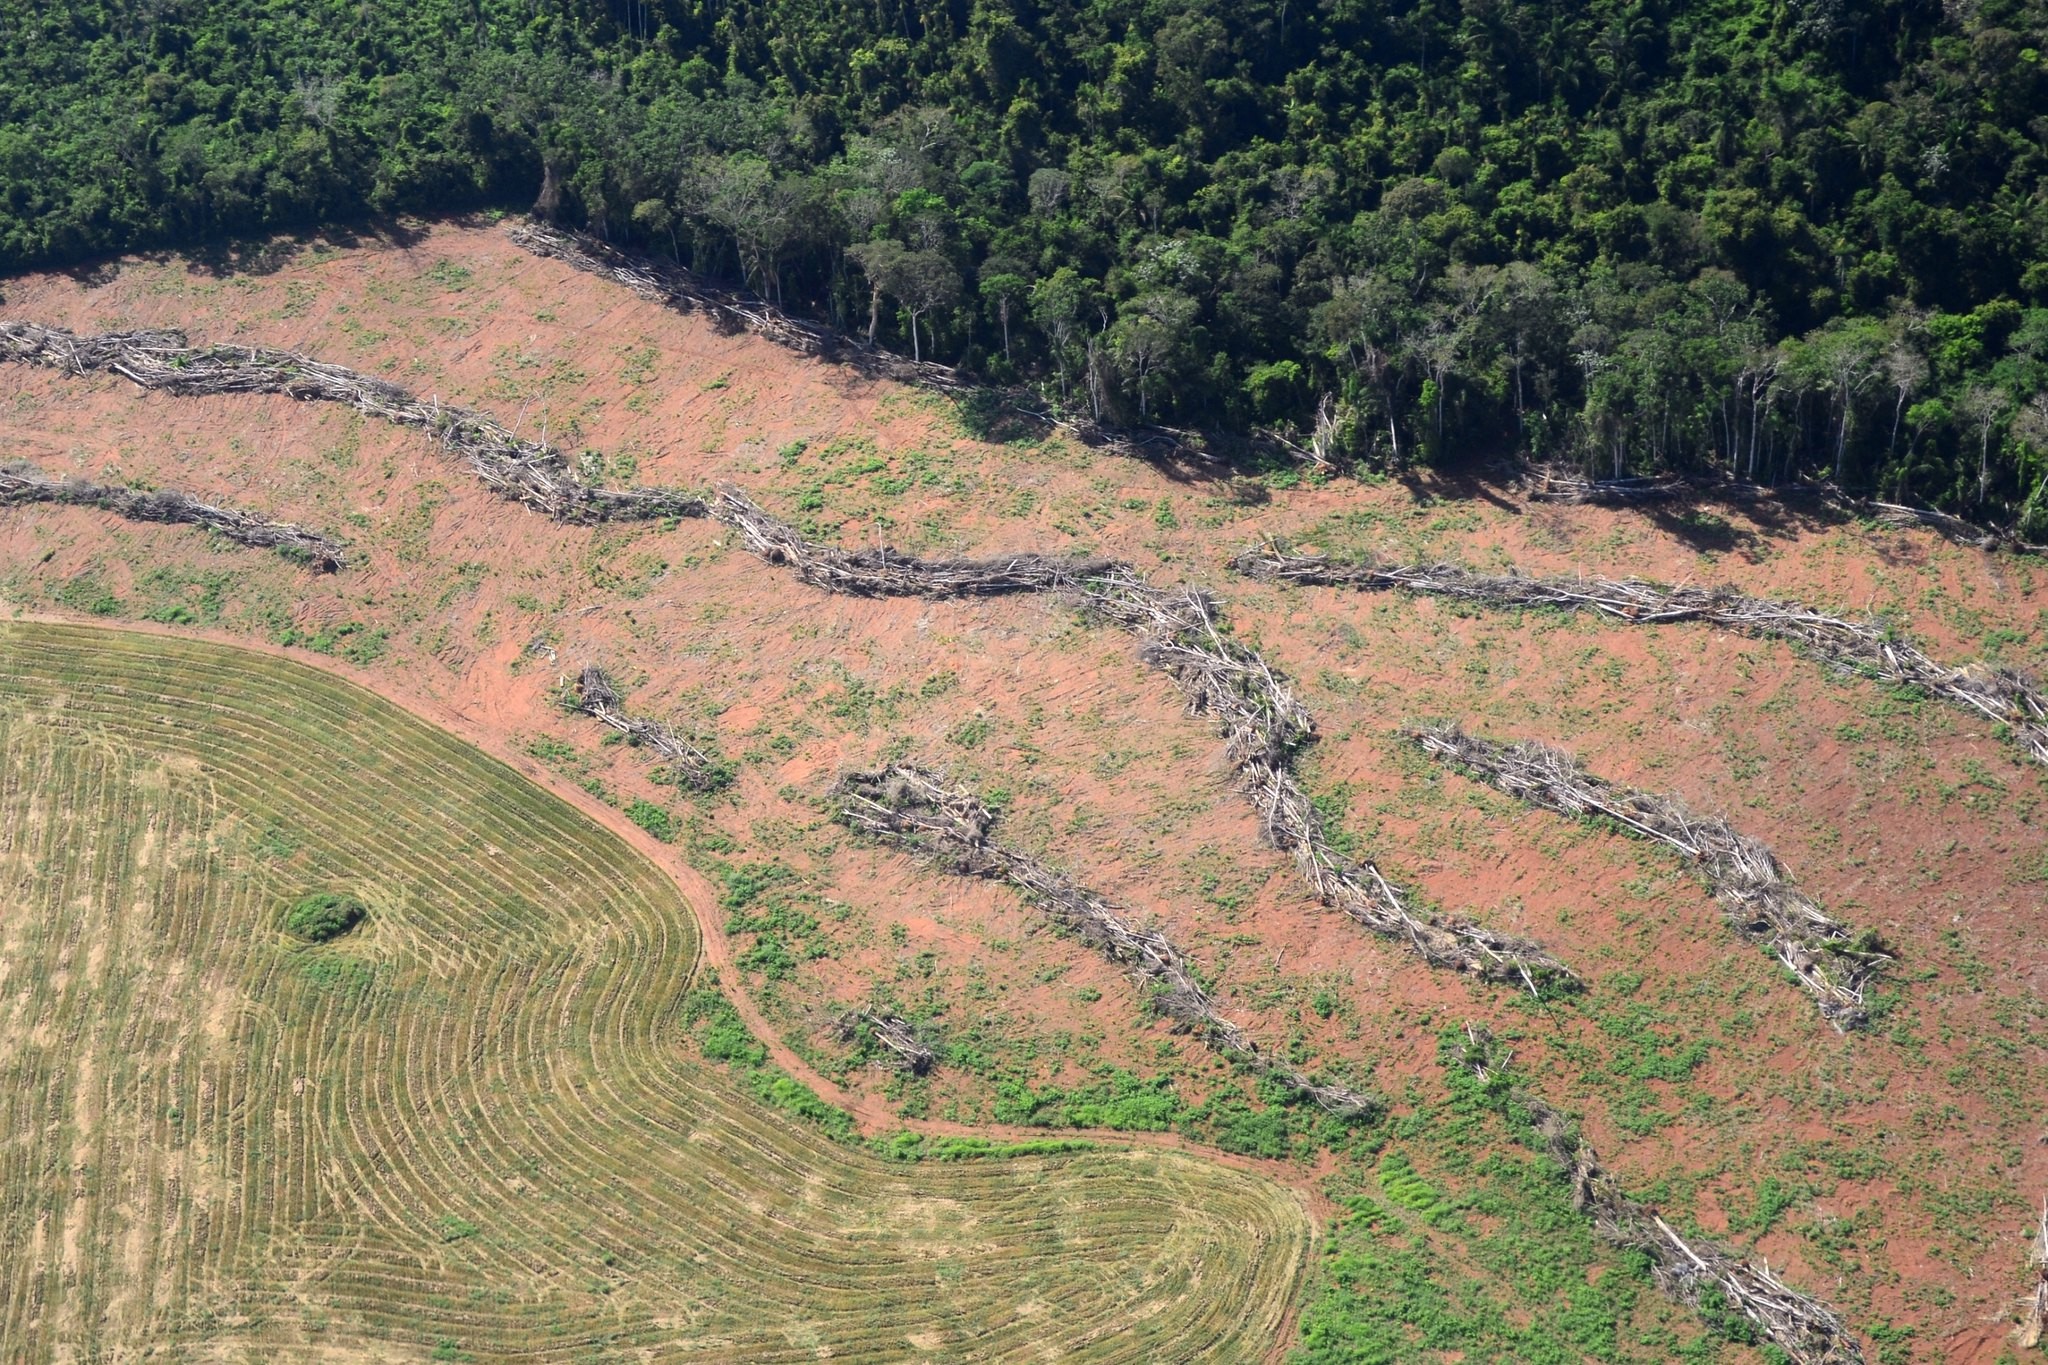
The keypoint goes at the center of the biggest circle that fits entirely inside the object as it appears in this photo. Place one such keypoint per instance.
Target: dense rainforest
(1769, 239)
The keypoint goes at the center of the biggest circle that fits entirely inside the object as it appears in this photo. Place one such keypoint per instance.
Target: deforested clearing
(477, 1124)
(1894, 1174)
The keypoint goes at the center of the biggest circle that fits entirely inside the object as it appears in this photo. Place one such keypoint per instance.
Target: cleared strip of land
(2002, 695)
(1180, 629)
(1830, 960)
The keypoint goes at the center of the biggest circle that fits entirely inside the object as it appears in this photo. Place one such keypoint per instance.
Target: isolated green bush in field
(323, 915)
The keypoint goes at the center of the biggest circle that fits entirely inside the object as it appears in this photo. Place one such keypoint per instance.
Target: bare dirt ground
(1891, 1172)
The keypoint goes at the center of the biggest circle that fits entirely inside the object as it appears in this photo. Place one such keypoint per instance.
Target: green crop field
(474, 1125)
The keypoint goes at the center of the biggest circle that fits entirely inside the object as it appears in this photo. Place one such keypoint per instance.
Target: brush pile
(894, 1034)
(1263, 725)
(20, 485)
(2002, 695)
(690, 765)
(914, 809)
(886, 573)
(1758, 898)
(1803, 1328)
(529, 472)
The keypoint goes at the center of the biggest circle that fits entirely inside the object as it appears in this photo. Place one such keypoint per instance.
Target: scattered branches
(907, 1052)
(884, 572)
(1688, 1271)
(692, 767)
(1263, 725)
(529, 472)
(1754, 892)
(913, 808)
(20, 485)
(2002, 695)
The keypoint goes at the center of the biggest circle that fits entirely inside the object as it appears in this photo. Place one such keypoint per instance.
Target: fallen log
(1759, 900)
(915, 809)
(1551, 483)
(1871, 648)
(20, 486)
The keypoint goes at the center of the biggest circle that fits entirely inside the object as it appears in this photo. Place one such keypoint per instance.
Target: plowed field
(475, 1126)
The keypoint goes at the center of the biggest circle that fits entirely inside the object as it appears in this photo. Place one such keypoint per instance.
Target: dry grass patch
(475, 1125)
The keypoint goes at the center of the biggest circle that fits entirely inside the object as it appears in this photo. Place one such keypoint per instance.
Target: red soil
(1909, 819)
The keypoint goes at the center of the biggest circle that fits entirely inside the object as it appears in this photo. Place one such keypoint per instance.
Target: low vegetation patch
(323, 915)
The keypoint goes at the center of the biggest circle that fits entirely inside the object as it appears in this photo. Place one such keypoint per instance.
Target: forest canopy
(1766, 240)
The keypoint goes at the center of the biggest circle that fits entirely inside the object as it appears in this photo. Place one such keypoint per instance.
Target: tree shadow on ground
(1489, 485)
(258, 254)
(267, 254)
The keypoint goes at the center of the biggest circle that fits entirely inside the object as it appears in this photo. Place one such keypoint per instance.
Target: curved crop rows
(474, 1127)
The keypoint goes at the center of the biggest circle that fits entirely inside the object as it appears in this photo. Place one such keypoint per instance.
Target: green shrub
(324, 915)
(653, 819)
(748, 882)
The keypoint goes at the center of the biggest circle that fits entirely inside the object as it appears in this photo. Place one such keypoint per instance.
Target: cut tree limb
(915, 809)
(1760, 901)
(2003, 695)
